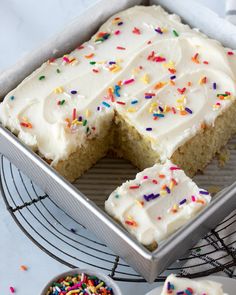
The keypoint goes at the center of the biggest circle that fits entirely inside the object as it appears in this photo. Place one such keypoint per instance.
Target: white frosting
(159, 201)
(203, 287)
(137, 32)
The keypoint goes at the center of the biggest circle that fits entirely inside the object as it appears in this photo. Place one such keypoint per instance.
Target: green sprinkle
(12, 97)
(175, 33)
(87, 130)
(58, 71)
(92, 277)
(62, 102)
(92, 62)
(117, 196)
(85, 122)
(42, 77)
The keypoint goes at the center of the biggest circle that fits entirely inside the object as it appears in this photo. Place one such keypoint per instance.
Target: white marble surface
(24, 25)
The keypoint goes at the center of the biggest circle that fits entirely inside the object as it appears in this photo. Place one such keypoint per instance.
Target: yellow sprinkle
(170, 64)
(145, 79)
(87, 113)
(115, 69)
(73, 291)
(100, 285)
(163, 192)
(59, 90)
(131, 110)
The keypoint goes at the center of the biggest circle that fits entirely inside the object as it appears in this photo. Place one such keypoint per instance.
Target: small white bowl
(109, 282)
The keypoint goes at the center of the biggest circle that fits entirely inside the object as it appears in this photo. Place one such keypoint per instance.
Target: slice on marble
(181, 286)
(156, 203)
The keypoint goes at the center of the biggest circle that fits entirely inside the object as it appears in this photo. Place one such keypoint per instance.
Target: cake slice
(156, 203)
(182, 286)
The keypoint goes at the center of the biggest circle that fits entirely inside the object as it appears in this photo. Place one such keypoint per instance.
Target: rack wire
(69, 242)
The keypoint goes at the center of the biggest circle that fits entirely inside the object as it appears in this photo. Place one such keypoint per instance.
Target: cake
(181, 286)
(145, 86)
(156, 203)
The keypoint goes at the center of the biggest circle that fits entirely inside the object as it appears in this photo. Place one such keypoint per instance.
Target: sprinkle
(167, 189)
(154, 181)
(121, 102)
(134, 186)
(214, 85)
(73, 92)
(120, 48)
(150, 197)
(128, 81)
(173, 77)
(136, 31)
(26, 124)
(155, 58)
(117, 32)
(58, 71)
(89, 55)
(158, 115)
(116, 90)
(159, 85)
(145, 79)
(181, 91)
(23, 268)
(12, 290)
(74, 114)
(95, 71)
(61, 102)
(162, 176)
(148, 129)
(101, 37)
(203, 80)
(59, 90)
(158, 30)
(117, 196)
(182, 201)
(120, 24)
(175, 33)
(195, 58)
(106, 104)
(188, 110)
(205, 62)
(193, 198)
(12, 97)
(85, 122)
(172, 70)
(203, 192)
(230, 53)
(42, 78)
(131, 222)
(134, 101)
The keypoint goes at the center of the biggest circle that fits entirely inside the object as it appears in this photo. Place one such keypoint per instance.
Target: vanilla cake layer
(161, 79)
(177, 286)
(156, 203)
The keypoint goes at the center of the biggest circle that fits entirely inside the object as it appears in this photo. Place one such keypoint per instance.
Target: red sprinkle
(117, 32)
(74, 114)
(121, 102)
(181, 91)
(120, 48)
(95, 71)
(206, 62)
(136, 31)
(230, 53)
(154, 181)
(12, 290)
(174, 168)
(134, 187)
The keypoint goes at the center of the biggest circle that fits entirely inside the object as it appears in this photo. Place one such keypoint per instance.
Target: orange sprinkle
(89, 55)
(23, 268)
(172, 70)
(201, 202)
(159, 85)
(68, 122)
(189, 84)
(172, 83)
(195, 58)
(183, 113)
(162, 176)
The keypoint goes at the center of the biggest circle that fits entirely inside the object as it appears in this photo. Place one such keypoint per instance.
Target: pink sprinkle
(173, 110)
(128, 81)
(12, 290)
(120, 48)
(145, 177)
(230, 53)
(154, 181)
(218, 104)
(193, 199)
(117, 32)
(174, 168)
(66, 59)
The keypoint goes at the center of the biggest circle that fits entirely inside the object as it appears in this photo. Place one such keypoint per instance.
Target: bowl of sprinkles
(81, 282)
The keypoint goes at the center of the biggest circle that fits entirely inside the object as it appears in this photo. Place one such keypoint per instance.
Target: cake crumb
(223, 157)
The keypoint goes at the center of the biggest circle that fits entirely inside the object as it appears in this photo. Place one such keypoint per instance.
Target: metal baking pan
(87, 212)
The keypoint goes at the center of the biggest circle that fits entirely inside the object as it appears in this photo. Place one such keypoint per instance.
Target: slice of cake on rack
(181, 286)
(156, 203)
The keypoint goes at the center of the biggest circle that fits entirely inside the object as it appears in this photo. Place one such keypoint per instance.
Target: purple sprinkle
(112, 62)
(120, 24)
(98, 108)
(182, 202)
(149, 129)
(180, 293)
(73, 92)
(148, 96)
(168, 190)
(150, 197)
(214, 85)
(158, 30)
(80, 118)
(188, 110)
(203, 192)
(168, 286)
(161, 109)
(172, 77)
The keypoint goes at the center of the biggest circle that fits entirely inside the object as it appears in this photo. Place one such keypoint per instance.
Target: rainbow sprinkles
(149, 88)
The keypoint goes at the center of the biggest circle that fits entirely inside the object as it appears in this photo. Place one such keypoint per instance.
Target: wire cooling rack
(67, 241)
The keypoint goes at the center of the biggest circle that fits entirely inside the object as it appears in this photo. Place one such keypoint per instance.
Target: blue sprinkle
(12, 97)
(134, 101)
(116, 90)
(159, 115)
(149, 129)
(203, 192)
(182, 202)
(172, 77)
(188, 110)
(106, 104)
